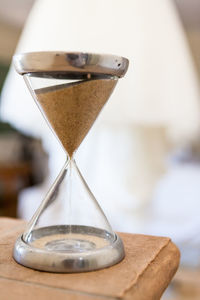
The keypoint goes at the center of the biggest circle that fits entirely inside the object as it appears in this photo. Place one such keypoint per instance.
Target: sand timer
(69, 231)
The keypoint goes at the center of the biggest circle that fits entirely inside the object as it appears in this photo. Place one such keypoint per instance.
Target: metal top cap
(70, 64)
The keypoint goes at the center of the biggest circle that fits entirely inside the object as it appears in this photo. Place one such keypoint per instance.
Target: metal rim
(42, 260)
(70, 63)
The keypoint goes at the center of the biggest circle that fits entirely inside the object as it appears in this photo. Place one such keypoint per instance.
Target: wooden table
(144, 274)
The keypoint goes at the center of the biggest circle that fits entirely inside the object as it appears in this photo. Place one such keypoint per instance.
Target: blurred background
(146, 142)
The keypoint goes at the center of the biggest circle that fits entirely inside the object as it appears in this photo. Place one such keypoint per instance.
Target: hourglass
(69, 231)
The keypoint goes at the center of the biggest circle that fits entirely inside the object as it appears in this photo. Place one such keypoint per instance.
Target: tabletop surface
(148, 267)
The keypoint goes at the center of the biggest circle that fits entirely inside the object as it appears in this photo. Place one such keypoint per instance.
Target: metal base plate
(68, 249)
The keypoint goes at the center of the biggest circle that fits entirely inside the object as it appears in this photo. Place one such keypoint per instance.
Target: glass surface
(69, 219)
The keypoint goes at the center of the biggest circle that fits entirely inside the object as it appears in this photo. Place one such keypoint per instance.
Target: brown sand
(72, 108)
